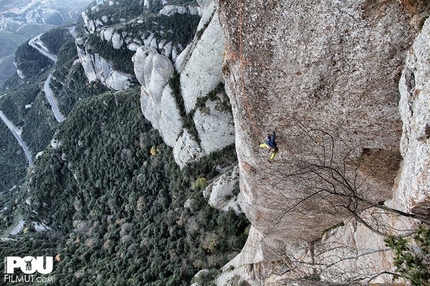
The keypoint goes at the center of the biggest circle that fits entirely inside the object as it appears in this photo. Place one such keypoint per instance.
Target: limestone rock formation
(199, 68)
(325, 77)
(214, 126)
(107, 34)
(137, 31)
(97, 68)
(117, 41)
(169, 10)
(353, 252)
(413, 194)
(220, 193)
(153, 71)
(149, 5)
(186, 149)
(91, 25)
(200, 72)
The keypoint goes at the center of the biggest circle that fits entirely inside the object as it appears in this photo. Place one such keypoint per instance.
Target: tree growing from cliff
(346, 177)
(352, 182)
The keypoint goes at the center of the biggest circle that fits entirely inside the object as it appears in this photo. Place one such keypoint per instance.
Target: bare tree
(336, 174)
(343, 179)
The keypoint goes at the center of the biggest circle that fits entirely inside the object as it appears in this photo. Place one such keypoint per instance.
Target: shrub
(412, 259)
(200, 184)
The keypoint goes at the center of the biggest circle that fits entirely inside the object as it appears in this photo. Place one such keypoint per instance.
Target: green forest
(118, 209)
(121, 210)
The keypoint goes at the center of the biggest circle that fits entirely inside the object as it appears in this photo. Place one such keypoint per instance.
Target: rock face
(169, 10)
(186, 149)
(214, 126)
(199, 68)
(220, 193)
(353, 252)
(155, 59)
(414, 184)
(325, 77)
(153, 71)
(138, 31)
(97, 68)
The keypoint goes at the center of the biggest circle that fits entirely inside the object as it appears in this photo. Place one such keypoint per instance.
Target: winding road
(14, 131)
(38, 45)
(52, 100)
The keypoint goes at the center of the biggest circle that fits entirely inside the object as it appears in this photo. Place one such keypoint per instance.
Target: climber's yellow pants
(272, 155)
(272, 151)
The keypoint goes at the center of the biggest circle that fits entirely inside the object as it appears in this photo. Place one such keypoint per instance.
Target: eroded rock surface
(153, 71)
(98, 68)
(414, 185)
(221, 193)
(325, 77)
(199, 68)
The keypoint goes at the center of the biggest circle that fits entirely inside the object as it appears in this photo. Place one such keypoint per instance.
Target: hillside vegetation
(122, 211)
(105, 196)
(24, 103)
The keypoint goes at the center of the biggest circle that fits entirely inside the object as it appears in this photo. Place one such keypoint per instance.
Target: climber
(271, 145)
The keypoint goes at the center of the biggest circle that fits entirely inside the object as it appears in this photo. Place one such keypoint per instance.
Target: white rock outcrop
(20, 74)
(413, 194)
(170, 10)
(117, 80)
(117, 41)
(97, 68)
(186, 149)
(199, 66)
(158, 105)
(215, 127)
(91, 25)
(220, 192)
(133, 46)
(201, 70)
(106, 34)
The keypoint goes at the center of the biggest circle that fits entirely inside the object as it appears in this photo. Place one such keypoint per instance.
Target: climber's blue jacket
(271, 140)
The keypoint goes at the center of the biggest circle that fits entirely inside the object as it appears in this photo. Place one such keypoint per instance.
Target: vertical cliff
(414, 184)
(324, 75)
(192, 115)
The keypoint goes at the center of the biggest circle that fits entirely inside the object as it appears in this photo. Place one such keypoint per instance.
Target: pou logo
(29, 264)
